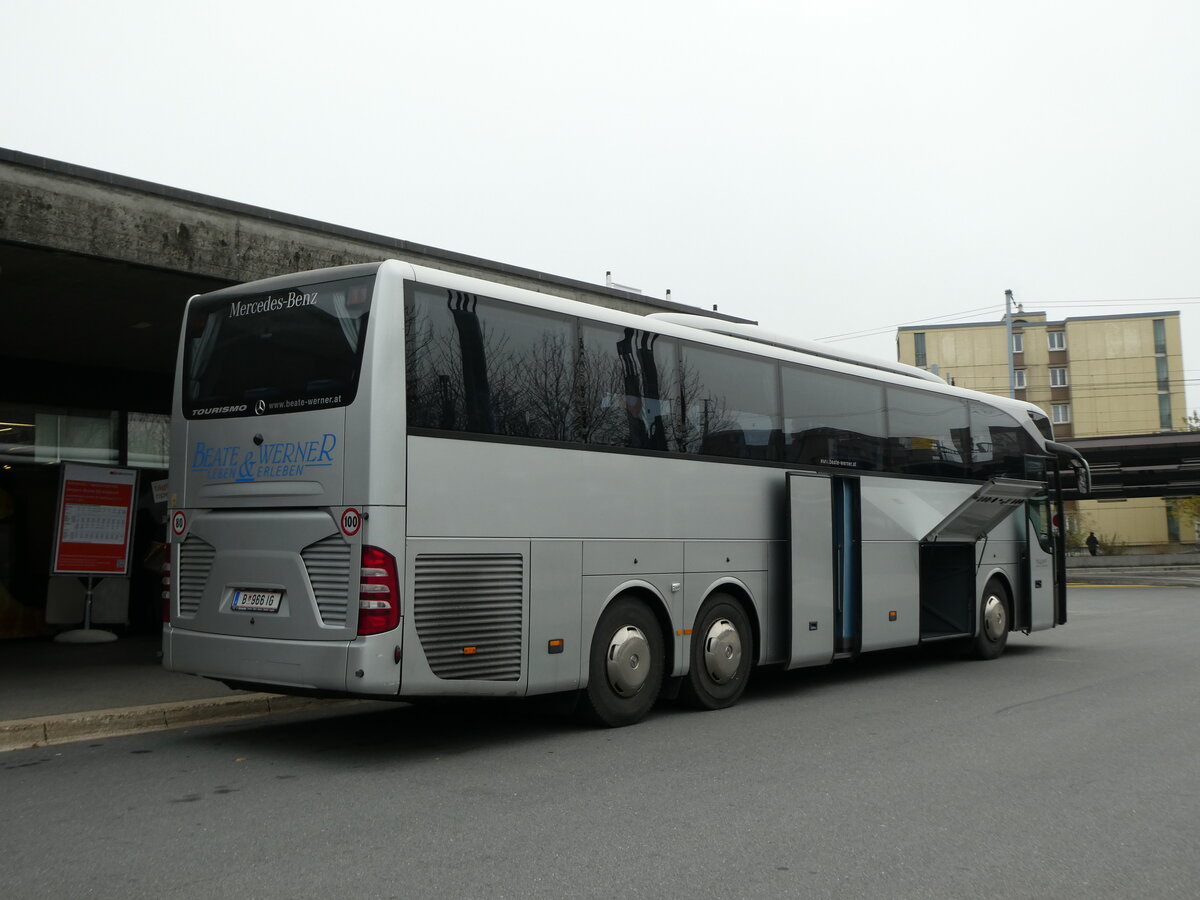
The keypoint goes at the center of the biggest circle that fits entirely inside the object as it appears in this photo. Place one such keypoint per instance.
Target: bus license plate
(257, 601)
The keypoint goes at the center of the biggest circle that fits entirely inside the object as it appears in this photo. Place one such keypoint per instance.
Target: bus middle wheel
(625, 668)
(721, 655)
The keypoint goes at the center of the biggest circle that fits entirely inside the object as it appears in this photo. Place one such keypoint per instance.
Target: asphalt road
(1070, 767)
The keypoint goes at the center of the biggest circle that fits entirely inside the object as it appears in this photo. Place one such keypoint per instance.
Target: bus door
(824, 547)
(1043, 583)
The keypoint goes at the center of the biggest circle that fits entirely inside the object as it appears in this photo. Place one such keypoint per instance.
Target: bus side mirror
(1083, 473)
(1083, 477)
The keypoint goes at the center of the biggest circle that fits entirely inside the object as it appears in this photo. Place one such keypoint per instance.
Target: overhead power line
(883, 329)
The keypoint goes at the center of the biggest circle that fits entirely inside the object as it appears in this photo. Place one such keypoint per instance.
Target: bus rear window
(284, 351)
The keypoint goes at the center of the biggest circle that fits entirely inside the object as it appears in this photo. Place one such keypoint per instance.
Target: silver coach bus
(396, 482)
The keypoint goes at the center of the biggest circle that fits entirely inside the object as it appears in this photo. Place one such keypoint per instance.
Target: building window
(40, 434)
(1057, 340)
(919, 348)
(1160, 336)
(1060, 413)
(149, 440)
(1164, 411)
(1164, 379)
(1058, 377)
(1018, 343)
(1019, 379)
(45, 434)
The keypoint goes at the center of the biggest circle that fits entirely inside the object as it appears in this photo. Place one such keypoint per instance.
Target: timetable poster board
(94, 532)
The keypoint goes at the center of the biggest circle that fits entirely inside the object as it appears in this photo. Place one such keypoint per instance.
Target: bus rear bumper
(364, 666)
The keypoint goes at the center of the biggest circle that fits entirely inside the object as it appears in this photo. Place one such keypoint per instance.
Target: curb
(40, 731)
(1134, 570)
(1173, 576)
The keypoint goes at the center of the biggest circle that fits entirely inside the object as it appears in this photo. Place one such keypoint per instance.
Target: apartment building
(1093, 375)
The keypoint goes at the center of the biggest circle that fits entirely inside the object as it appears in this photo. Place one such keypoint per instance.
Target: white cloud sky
(822, 167)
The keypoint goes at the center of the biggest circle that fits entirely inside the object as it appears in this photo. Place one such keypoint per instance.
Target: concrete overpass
(95, 269)
(1142, 465)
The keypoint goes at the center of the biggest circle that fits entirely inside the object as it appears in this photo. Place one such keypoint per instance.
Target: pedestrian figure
(1093, 543)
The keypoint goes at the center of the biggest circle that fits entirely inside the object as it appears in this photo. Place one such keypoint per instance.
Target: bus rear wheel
(992, 636)
(625, 668)
(721, 655)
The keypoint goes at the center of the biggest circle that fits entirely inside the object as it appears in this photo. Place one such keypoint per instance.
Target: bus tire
(625, 668)
(995, 618)
(721, 656)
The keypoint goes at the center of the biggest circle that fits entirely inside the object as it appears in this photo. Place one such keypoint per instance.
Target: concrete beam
(57, 206)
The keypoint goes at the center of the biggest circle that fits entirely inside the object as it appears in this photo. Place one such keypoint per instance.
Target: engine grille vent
(195, 563)
(469, 614)
(328, 565)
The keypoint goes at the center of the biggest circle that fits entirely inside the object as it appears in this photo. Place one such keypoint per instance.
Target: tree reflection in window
(626, 377)
(729, 405)
(485, 367)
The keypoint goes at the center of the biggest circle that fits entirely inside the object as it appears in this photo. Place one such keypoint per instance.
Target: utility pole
(1012, 375)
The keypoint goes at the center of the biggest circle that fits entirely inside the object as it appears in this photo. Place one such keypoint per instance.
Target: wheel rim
(628, 661)
(722, 651)
(994, 618)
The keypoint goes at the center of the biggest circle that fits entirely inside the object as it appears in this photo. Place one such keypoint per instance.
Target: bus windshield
(280, 351)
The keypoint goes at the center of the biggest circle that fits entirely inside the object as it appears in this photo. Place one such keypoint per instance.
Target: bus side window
(926, 432)
(477, 365)
(730, 405)
(998, 443)
(623, 383)
(832, 420)
(433, 363)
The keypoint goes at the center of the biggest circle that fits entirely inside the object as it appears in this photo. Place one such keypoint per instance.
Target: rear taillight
(166, 590)
(379, 592)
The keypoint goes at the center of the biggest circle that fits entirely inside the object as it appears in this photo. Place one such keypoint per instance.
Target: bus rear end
(287, 490)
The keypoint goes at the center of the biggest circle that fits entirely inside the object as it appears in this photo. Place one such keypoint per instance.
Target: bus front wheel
(625, 669)
(721, 655)
(992, 636)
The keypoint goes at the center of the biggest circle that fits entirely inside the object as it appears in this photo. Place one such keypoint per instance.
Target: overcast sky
(822, 167)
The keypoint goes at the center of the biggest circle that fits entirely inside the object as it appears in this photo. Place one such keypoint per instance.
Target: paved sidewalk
(53, 693)
(42, 678)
